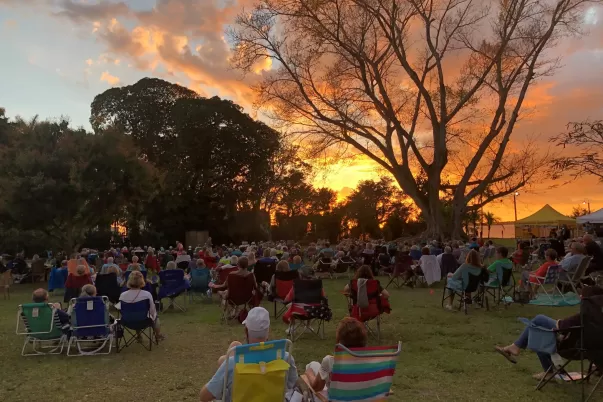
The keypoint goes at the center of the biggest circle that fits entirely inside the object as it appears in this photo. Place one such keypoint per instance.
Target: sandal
(506, 354)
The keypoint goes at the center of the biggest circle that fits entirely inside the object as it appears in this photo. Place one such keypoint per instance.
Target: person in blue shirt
(257, 329)
(327, 251)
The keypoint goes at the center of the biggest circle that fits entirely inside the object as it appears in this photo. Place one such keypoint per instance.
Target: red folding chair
(370, 312)
(283, 284)
(240, 296)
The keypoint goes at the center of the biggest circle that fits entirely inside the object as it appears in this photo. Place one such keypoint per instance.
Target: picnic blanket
(568, 299)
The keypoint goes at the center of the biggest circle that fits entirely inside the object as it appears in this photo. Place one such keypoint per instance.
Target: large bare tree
(428, 88)
(587, 138)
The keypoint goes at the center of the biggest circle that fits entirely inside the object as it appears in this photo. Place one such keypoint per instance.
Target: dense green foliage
(162, 161)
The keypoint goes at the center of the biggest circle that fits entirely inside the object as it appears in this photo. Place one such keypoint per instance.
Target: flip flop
(506, 354)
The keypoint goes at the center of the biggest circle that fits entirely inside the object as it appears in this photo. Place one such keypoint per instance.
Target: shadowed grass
(446, 356)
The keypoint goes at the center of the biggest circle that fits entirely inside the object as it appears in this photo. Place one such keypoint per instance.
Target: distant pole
(587, 202)
(515, 195)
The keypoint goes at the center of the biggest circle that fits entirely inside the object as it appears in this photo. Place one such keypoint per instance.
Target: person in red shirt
(551, 259)
(151, 263)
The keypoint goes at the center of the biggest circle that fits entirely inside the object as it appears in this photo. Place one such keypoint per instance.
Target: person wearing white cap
(257, 329)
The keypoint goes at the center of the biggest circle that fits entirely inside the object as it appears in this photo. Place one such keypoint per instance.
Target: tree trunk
(457, 221)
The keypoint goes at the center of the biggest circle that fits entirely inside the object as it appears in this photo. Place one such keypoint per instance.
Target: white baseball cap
(257, 322)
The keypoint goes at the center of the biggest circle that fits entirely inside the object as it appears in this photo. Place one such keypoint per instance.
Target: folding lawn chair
(574, 280)
(260, 371)
(307, 292)
(363, 374)
(264, 270)
(415, 255)
(584, 342)
(173, 285)
(283, 284)
(324, 267)
(107, 285)
(343, 267)
(472, 285)
(550, 280)
(503, 284)
(368, 311)
(200, 280)
(42, 329)
(91, 326)
(223, 274)
(57, 279)
(135, 322)
(240, 295)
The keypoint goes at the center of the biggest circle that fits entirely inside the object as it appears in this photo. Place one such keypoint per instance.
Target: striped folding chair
(363, 374)
(549, 283)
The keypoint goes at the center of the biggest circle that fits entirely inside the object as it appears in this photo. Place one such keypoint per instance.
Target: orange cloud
(109, 79)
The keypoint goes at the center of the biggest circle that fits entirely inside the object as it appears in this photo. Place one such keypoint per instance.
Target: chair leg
(594, 389)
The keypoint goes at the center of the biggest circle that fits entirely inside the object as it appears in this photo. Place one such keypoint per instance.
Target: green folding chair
(42, 329)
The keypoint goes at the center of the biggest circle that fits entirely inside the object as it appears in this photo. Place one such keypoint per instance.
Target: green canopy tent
(541, 222)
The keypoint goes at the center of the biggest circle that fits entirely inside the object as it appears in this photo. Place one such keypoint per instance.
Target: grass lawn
(446, 356)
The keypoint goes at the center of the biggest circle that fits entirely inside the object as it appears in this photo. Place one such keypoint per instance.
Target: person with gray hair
(105, 269)
(41, 296)
(257, 329)
(571, 262)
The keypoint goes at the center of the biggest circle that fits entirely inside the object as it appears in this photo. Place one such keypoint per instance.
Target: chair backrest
(474, 282)
(240, 289)
(224, 272)
(260, 371)
(171, 278)
(384, 259)
(372, 291)
(264, 270)
(90, 317)
(107, 285)
(307, 291)
(552, 274)
(183, 264)
(37, 266)
(504, 275)
(324, 265)
(200, 278)
(344, 266)
(415, 255)
(363, 374)
(284, 282)
(41, 321)
(581, 270)
(127, 275)
(591, 310)
(135, 315)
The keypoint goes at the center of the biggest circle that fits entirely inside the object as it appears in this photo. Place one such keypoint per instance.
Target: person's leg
(522, 342)
(545, 360)
(157, 329)
(223, 357)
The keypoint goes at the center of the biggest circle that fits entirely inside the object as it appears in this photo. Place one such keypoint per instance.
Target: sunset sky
(58, 54)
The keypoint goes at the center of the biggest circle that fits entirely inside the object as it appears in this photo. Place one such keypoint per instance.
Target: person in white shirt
(136, 293)
(257, 329)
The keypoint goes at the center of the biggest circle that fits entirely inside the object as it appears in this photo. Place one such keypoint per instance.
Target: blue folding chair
(173, 285)
(200, 280)
(91, 326)
(260, 371)
(415, 255)
(57, 279)
(135, 322)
